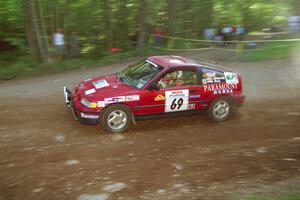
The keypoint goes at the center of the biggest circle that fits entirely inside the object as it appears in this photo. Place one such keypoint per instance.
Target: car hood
(98, 88)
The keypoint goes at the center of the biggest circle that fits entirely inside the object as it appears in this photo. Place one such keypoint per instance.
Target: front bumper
(87, 117)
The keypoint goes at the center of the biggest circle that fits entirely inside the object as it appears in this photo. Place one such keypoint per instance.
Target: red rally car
(154, 86)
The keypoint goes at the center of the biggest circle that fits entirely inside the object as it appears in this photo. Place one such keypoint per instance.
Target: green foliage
(88, 17)
(12, 23)
(268, 51)
(24, 66)
(101, 25)
(291, 196)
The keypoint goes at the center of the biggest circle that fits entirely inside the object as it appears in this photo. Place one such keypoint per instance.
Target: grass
(283, 197)
(268, 51)
(13, 65)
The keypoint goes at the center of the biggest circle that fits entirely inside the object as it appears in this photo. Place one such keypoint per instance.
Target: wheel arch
(118, 103)
(230, 98)
(225, 114)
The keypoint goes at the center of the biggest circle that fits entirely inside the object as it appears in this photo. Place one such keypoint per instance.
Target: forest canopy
(29, 25)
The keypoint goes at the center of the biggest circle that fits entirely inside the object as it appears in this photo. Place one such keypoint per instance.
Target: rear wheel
(116, 118)
(220, 109)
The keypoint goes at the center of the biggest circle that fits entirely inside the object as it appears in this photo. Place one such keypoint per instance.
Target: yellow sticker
(160, 97)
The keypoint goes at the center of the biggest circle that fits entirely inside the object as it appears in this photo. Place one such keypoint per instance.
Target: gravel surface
(46, 154)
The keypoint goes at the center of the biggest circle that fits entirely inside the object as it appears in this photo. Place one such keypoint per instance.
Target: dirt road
(47, 155)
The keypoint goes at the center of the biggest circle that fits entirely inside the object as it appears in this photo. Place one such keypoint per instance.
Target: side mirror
(153, 86)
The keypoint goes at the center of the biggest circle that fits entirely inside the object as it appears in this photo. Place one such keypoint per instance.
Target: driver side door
(172, 98)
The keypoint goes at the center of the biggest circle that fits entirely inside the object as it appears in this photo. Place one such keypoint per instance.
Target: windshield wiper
(119, 77)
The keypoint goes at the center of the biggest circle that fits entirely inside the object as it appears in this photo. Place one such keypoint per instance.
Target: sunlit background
(111, 30)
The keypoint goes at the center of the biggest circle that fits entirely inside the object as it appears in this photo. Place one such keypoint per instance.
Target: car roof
(167, 61)
(172, 61)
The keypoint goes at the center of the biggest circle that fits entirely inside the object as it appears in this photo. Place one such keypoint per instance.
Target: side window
(178, 78)
(210, 76)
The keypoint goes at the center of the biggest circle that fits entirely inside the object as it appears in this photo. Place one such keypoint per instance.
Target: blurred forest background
(27, 26)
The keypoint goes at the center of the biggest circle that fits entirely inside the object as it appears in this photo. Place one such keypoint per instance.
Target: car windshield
(139, 74)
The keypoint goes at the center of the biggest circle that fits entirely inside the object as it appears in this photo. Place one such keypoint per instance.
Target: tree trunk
(123, 22)
(40, 43)
(142, 24)
(204, 14)
(171, 17)
(30, 33)
(186, 16)
(36, 41)
(52, 18)
(108, 32)
(44, 38)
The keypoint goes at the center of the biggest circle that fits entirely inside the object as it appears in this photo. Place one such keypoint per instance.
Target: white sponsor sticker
(195, 96)
(231, 78)
(212, 88)
(101, 104)
(191, 106)
(223, 91)
(115, 99)
(208, 80)
(219, 79)
(89, 116)
(210, 74)
(101, 83)
(90, 91)
(176, 100)
(133, 98)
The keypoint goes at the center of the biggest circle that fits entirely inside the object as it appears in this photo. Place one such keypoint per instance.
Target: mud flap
(133, 118)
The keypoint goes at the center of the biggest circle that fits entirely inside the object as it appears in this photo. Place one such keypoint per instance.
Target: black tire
(116, 112)
(221, 114)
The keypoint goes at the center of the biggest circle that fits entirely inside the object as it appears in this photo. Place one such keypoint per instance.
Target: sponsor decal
(101, 104)
(231, 78)
(214, 79)
(100, 84)
(219, 79)
(223, 91)
(160, 97)
(176, 93)
(115, 99)
(132, 98)
(191, 106)
(209, 74)
(208, 80)
(212, 88)
(89, 116)
(176, 100)
(90, 91)
(194, 96)
(121, 99)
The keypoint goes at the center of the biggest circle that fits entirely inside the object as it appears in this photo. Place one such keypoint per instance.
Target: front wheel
(220, 109)
(116, 118)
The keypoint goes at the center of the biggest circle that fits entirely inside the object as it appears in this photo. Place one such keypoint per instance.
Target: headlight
(88, 104)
